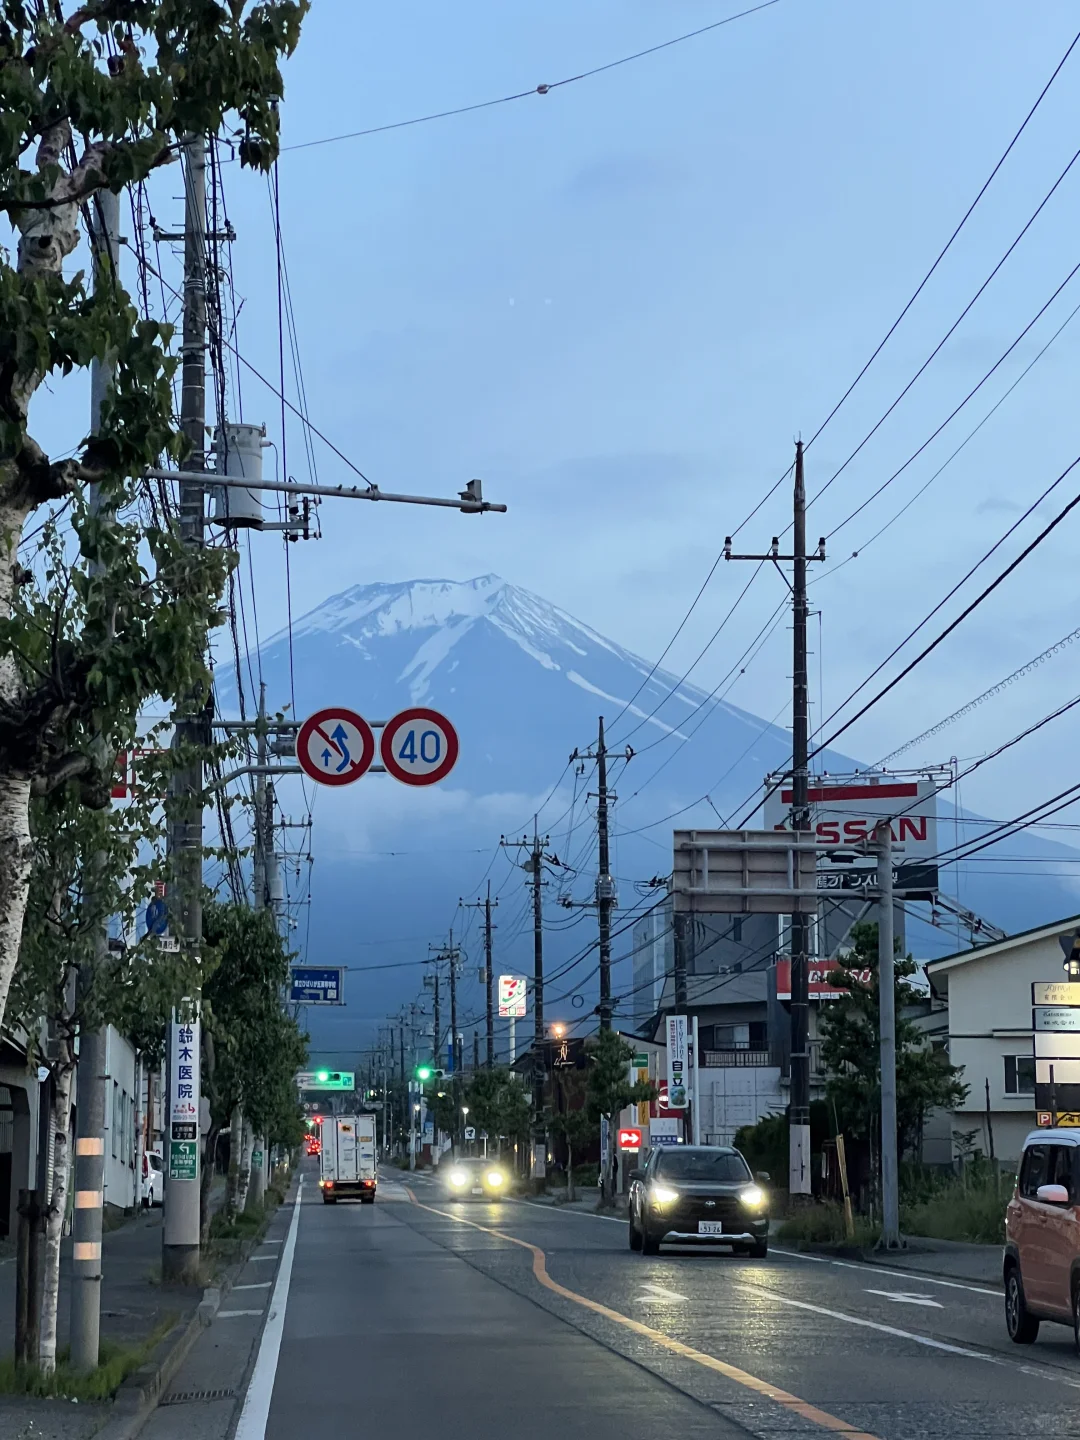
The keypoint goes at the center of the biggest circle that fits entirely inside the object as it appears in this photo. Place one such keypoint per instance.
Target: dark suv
(698, 1195)
(1042, 1237)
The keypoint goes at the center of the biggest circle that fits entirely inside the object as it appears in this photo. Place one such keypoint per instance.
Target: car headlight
(753, 1197)
(494, 1177)
(661, 1195)
(458, 1178)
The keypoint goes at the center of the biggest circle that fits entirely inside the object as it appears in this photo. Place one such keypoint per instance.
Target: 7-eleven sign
(512, 996)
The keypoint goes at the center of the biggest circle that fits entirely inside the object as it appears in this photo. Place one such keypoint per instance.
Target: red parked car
(1042, 1237)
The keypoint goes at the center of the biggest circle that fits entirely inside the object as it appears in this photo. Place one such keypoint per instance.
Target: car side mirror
(636, 1174)
(763, 1177)
(1052, 1194)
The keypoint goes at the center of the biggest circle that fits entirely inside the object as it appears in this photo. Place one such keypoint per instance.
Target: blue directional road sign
(313, 985)
(157, 917)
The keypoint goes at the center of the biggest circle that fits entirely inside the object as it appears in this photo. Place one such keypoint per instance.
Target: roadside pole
(89, 1177)
(890, 1189)
(180, 1254)
(262, 860)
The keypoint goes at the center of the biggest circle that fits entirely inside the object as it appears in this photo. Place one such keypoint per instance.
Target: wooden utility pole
(799, 1107)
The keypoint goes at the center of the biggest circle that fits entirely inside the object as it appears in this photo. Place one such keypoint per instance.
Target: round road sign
(419, 747)
(335, 746)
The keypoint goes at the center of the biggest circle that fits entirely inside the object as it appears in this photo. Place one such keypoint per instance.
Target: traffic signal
(424, 1073)
(322, 1076)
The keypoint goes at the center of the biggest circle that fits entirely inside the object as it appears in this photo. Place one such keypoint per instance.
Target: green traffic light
(322, 1076)
(423, 1072)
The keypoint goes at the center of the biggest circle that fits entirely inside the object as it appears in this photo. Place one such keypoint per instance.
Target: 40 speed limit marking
(419, 747)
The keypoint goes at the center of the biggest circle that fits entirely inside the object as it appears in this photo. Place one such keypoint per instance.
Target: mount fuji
(524, 683)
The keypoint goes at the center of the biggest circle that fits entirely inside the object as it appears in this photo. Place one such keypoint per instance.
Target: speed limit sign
(419, 747)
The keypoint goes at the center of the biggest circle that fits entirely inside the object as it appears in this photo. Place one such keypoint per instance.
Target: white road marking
(254, 1285)
(256, 1411)
(888, 1270)
(228, 1314)
(657, 1292)
(253, 1258)
(904, 1297)
(562, 1210)
(869, 1324)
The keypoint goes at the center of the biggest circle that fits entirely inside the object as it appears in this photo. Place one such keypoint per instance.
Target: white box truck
(347, 1164)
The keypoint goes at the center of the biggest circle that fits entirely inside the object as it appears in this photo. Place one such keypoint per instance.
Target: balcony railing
(719, 1059)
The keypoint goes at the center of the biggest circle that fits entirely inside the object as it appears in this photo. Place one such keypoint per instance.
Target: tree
(851, 1051)
(252, 1048)
(577, 1125)
(610, 1090)
(498, 1103)
(90, 867)
(102, 93)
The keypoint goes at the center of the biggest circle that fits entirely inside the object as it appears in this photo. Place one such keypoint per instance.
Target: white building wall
(989, 1019)
(121, 1187)
(736, 1095)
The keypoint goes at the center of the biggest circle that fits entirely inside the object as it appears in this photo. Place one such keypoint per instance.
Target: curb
(890, 1262)
(138, 1396)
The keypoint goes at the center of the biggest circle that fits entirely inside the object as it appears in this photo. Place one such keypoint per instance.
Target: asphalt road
(422, 1315)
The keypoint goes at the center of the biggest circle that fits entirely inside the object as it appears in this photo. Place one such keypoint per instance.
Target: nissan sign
(844, 811)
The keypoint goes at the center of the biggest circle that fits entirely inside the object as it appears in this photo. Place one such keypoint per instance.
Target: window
(1033, 1170)
(1059, 1169)
(1019, 1075)
(702, 1165)
(116, 1119)
(736, 930)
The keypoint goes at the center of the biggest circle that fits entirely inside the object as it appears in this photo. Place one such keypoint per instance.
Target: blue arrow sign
(313, 985)
(157, 917)
(340, 735)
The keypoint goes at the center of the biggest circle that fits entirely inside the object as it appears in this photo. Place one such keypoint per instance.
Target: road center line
(256, 1411)
(790, 1402)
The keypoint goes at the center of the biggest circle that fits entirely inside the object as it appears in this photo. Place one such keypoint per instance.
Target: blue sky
(620, 302)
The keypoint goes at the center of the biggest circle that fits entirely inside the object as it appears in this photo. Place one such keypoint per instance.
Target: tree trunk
(236, 1145)
(245, 1167)
(15, 844)
(207, 1181)
(60, 1120)
(569, 1170)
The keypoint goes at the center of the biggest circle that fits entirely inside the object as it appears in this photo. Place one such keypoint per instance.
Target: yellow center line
(790, 1402)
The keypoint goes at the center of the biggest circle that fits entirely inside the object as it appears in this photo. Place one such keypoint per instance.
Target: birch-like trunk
(245, 1167)
(60, 1120)
(236, 1145)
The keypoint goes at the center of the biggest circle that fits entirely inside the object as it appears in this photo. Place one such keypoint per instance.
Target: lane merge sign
(335, 746)
(419, 747)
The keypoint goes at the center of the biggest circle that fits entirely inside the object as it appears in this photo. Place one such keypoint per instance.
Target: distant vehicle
(1042, 1237)
(347, 1164)
(153, 1179)
(698, 1195)
(474, 1179)
(313, 1145)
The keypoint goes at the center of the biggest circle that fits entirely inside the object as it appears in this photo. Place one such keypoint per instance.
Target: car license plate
(710, 1227)
(477, 1189)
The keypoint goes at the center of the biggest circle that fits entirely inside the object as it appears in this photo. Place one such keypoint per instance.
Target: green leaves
(609, 1087)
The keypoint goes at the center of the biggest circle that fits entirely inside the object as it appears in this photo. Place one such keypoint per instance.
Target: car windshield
(702, 1165)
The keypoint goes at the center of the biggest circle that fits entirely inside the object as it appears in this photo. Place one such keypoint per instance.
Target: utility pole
(489, 982)
(799, 1107)
(890, 1192)
(534, 866)
(89, 1169)
(262, 860)
(606, 898)
(475, 1051)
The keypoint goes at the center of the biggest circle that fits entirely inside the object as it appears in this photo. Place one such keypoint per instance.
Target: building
(653, 956)
(988, 995)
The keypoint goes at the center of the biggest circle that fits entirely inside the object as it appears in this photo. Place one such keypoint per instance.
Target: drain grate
(189, 1397)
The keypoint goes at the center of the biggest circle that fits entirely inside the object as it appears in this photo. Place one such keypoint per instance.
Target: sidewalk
(949, 1259)
(134, 1305)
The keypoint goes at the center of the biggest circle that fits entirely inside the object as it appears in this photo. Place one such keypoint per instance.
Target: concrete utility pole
(262, 860)
(799, 1107)
(85, 1319)
(180, 1256)
(890, 1178)
(534, 866)
(605, 884)
(799, 1121)
(489, 981)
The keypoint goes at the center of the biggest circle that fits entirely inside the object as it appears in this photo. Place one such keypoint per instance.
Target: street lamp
(558, 1030)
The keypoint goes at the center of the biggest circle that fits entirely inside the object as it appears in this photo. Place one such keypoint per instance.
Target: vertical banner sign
(677, 1062)
(184, 1100)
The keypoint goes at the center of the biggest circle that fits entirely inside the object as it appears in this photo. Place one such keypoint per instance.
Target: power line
(543, 89)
